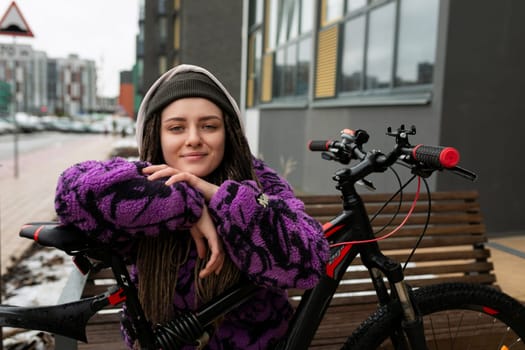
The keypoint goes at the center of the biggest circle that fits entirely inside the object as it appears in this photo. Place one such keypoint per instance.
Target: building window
(163, 65)
(386, 46)
(255, 49)
(332, 10)
(416, 49)
(163, 30)
(353, 47)
(161, 7)
(291, 27)
(379, 54)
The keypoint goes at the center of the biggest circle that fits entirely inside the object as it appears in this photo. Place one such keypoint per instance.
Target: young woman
(198, 213)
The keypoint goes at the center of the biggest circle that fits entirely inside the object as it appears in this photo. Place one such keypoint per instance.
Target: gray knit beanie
(188, 84)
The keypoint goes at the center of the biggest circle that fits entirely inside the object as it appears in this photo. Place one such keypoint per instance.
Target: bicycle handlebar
(425, 158)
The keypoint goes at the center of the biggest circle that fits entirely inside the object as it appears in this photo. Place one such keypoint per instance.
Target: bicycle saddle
(52, 234)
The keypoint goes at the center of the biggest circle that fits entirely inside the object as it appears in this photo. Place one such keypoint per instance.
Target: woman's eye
(176, 128)
(209, 127)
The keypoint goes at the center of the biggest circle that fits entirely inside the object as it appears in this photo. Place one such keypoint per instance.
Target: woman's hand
(204, 230)
(156, 172)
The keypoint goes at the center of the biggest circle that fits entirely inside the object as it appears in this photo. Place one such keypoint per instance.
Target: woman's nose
(194, 137)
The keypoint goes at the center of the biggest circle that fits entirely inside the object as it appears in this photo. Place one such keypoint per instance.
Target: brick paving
(30, 196)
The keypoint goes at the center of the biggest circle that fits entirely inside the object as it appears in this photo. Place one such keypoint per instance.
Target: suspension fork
(381, 266)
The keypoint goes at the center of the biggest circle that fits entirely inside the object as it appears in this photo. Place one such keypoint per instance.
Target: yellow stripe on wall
(325, 78)
(249, 93)
(267, 72)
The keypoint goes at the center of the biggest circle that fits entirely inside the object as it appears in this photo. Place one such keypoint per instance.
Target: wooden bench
(452, 250)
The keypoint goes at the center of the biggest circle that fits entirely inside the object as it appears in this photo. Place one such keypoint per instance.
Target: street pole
(14, 102)
(1, 284)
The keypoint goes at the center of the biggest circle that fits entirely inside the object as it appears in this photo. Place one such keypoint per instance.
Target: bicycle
(406, 318)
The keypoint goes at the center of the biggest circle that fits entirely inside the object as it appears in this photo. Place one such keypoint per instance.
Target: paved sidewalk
(30, 197)
(508, 256)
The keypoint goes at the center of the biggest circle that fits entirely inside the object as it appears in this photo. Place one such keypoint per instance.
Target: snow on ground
(37, 279)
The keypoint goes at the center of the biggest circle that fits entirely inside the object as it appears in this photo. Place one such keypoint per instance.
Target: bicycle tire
(487, 319)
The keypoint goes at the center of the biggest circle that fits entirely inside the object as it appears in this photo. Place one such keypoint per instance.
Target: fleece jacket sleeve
(267, 233)
(112, 200)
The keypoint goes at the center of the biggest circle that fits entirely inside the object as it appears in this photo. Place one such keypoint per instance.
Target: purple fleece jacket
(269, 237)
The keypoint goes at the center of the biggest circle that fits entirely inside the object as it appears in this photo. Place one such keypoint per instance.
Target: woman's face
(192, 135)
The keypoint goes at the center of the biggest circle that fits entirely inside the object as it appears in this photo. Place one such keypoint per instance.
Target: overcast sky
(100, 30)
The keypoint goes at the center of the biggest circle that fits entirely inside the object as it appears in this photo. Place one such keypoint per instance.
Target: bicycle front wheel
(455, 315)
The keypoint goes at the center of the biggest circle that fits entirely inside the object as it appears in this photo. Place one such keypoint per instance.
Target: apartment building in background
(44, 85)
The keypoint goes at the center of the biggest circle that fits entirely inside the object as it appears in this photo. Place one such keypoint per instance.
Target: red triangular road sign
(13, 23)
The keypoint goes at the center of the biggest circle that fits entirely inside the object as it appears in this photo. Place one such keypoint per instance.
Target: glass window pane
(163, 63)
(417, 42)
(303, 66)
(272, 30)
(278, 73)
(294, 22)
(334, 10)
(289, 74)
(255, 15)
(380, 47)
(352, 5)
(306, 16)
(257, 65)
(260, 11)
(161, 7)
(353, 54)
(163, 29)
(282, 23)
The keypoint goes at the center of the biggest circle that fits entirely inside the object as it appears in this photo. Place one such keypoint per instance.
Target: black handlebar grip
(436, 156)
(319, 145)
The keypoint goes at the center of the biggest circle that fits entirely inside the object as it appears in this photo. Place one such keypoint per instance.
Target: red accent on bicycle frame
(117, 297)
(490, 311)
(331, 266)
(329, 229)
(37, 232)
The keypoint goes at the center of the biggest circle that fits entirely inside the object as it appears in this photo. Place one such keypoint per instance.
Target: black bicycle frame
(351, 225)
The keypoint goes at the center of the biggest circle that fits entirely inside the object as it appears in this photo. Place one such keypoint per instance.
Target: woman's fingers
(198, 238)
(156, 172)
(205, 229)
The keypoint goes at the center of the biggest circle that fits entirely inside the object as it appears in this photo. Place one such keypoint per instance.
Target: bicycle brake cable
(427, 221)
(400, 202)
(410, 211)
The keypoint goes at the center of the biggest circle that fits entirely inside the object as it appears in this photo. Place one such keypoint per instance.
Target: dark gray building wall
(212, 38)
(285, 133)
(151, 46)
(484, 104)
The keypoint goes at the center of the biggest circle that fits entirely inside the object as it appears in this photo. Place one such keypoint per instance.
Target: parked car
(6, 127)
